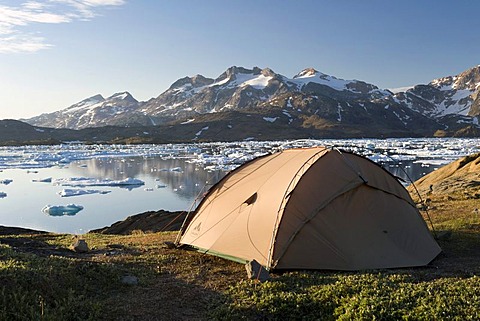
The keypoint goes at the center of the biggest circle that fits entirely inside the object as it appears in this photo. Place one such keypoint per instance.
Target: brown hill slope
(461, 176)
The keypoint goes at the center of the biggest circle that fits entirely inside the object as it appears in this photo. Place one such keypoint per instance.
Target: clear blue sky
(54, 53)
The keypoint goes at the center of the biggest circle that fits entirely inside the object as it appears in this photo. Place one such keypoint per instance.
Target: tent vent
(251, 199)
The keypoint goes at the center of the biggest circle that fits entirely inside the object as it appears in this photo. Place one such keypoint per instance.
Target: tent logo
(198, 227)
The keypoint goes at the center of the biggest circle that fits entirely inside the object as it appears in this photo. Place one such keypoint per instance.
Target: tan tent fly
(311, 208)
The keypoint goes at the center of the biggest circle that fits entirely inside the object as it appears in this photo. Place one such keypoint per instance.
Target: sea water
(85, 178)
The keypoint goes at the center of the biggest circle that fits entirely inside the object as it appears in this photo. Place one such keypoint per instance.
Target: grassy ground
(42, 280)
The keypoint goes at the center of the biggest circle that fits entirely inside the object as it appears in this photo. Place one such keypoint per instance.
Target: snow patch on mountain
(311, 75)
(270, 119)
(201, 131)
(400, 89)
(259, 82)
(456, 104)
(86, 104)
(188, 121)
(339, 113)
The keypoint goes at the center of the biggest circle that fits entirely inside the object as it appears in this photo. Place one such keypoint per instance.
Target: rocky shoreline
(148, 222)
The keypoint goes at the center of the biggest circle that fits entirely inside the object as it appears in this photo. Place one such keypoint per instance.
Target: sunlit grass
(43, 280)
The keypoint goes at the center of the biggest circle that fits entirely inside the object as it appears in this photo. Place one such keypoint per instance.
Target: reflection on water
(170, 184)
(184, 178)
(409, 171)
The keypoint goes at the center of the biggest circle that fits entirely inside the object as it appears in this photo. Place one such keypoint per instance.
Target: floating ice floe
(224, 154)
(77, 192)
(3, 194)
(42, 180)
(86, 181)
(61, 210)
(437, 162)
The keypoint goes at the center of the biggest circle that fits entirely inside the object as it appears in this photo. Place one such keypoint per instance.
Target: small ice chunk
(77, 192)
(149, 189)
(161, 185)
(176, 169)
(3, 194)
(6, 181)
(61, 210)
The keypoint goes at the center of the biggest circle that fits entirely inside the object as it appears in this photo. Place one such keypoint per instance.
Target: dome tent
(313, 208)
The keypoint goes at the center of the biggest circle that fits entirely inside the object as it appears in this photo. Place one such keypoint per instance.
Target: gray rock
(129, 280)
(255, 271)
(80, 246)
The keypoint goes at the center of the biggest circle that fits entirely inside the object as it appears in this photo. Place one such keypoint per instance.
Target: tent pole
(179, 235)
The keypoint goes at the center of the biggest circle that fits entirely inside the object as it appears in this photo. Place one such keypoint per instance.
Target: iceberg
(77, 192)
(61, 210)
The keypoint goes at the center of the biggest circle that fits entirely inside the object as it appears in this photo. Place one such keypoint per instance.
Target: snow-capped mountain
(310, 99)
(311, 103)
(239, 88)
(95, 111)
(452, 95)
(236, 88)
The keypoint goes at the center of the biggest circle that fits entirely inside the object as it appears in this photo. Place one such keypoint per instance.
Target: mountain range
(261, 104)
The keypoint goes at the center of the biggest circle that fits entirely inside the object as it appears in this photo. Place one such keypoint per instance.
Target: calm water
(163, 189)
(174, 175)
